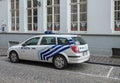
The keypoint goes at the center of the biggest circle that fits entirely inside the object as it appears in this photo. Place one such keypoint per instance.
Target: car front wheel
(60, 62)
(14, 57)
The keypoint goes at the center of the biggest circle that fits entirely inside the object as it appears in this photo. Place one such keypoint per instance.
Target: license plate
(84, 53)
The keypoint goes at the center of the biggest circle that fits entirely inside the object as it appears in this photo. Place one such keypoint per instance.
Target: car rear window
(79, 40)
(63, 41)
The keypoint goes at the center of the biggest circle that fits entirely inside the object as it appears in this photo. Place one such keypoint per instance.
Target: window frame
(54, 25)
(31, 18)
(46, 40)
(116, 15)
(15, 13)
(79, 40)
(78, 25)
(24, 44)
(62, 43)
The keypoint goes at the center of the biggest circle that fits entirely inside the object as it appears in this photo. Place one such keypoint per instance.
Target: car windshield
(78, 40)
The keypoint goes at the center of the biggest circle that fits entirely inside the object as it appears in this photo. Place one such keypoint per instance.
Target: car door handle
(50, 49)
(33, 48)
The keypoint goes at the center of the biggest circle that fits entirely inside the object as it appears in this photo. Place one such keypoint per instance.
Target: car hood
(15, 46)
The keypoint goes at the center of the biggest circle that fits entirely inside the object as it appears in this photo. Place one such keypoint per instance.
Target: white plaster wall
(42, 16)
(3, 13)
(64, 16)
(99, 17)
(23, 15)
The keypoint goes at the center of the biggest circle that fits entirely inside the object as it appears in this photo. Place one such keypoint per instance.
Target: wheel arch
(61, 54)
(13, 51)
(13, 58)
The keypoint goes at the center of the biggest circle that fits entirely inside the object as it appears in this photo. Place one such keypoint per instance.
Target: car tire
(14, 57)
(59, 62)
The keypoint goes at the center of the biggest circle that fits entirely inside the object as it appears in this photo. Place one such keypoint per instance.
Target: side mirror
(23, 44)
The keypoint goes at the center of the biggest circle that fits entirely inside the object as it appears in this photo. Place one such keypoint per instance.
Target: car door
(28, 50)
(46, 48)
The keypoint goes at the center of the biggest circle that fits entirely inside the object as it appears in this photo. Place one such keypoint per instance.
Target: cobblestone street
(36, 72)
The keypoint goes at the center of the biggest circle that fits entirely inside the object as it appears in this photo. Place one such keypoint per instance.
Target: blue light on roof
(48, 32)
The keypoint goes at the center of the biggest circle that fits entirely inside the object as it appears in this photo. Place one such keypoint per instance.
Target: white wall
(99, 17)
(3, 12)
(23, 15)
(42, 16)
(64, 16)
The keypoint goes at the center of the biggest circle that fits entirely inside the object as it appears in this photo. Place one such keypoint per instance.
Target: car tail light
(75, 49)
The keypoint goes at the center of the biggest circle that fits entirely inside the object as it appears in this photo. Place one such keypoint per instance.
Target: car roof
(58, 35)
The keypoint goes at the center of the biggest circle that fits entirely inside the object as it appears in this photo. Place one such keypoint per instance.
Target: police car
(54, 48)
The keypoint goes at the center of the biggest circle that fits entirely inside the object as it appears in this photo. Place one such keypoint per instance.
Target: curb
(2, 55)
(117, 65)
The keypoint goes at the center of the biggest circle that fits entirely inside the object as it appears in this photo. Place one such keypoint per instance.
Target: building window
(53, 15)
(117, 15)
(32, 15)
(15, 15)
(78, 15)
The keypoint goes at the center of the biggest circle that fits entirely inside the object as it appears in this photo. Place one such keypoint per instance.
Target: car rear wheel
(14, 57)
(60, 62)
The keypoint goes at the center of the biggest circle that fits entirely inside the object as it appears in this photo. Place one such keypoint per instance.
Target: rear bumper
(76, 60)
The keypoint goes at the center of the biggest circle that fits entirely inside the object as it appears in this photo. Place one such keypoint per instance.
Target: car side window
(48, 41)
(33, 41)
(63, 41)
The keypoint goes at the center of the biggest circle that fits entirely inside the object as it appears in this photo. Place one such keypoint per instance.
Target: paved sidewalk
(3, 51)
(105, 60)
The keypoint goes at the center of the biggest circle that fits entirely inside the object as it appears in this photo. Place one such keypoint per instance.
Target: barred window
(78, 15)
(117, 15)
(32, 15)
(14, 15)
(53, 15)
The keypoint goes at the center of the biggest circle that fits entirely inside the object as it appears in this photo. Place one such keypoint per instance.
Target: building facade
(97, 20)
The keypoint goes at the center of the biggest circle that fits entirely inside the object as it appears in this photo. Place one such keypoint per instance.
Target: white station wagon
(54, 48)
